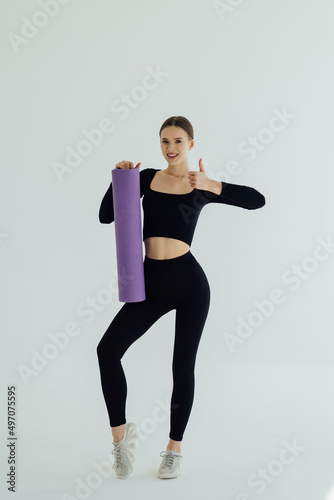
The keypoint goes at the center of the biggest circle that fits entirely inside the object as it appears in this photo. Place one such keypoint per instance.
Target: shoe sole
(161, 476)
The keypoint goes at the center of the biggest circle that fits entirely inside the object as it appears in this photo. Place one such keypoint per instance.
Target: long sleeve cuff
(106, 213)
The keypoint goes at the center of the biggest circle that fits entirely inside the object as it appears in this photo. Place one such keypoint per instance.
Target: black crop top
(175, 215)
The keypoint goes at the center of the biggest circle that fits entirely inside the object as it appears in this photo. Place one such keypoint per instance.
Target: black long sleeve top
(175, 215)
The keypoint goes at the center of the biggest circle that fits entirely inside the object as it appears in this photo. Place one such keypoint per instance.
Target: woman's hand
(199, 180)
(126, 164)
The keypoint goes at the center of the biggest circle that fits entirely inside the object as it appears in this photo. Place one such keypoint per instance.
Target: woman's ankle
(174, 446)
(118, 433)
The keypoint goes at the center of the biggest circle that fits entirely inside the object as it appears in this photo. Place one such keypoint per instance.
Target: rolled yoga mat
(128, 234)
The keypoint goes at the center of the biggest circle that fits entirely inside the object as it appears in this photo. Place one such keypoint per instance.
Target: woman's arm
(106, 213)
(237, 195)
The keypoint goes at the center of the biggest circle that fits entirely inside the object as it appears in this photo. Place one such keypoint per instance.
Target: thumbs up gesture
(199, 180)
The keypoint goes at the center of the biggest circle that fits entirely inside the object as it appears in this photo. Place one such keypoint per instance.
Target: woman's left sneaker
(123, 451)
(171, 465)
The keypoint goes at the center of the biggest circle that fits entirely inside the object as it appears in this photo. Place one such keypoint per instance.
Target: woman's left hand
(199, 180)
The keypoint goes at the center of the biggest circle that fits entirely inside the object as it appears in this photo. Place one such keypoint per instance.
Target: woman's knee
(106, 345)
(185, 369)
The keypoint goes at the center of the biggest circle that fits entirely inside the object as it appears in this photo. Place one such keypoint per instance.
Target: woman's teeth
(172, 156)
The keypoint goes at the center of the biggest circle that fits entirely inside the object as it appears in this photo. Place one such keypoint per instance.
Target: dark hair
(178, 121)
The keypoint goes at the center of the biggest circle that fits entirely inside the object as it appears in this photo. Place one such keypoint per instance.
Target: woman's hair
(178, 121)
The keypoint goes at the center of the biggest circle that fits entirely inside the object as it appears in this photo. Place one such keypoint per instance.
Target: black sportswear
(175, 215)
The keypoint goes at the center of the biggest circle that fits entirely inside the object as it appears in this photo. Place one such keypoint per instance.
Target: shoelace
(169, 460)
(118, 452)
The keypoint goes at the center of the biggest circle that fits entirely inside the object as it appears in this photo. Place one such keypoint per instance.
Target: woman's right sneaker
(123, 451)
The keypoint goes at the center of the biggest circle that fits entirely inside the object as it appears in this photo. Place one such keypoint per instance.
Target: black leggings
(179, 283)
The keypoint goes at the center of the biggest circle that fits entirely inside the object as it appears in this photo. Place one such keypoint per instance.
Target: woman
(173, 200)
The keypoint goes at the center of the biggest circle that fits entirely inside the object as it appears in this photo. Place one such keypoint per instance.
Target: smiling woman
(172, 201)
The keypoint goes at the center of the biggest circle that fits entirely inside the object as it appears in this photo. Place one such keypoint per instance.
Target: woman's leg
(190, 319)
(130, 323)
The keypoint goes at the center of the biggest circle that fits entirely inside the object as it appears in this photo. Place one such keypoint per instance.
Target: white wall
(230, 67)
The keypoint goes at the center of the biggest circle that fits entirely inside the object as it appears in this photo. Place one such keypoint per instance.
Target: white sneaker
(123, 451)
(171, 465)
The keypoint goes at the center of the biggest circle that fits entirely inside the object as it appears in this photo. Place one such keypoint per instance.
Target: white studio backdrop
(255, 79)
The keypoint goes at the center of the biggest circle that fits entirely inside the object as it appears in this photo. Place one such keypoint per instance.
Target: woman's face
(175, 141)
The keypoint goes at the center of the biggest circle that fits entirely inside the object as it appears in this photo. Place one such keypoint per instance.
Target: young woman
(172, 201)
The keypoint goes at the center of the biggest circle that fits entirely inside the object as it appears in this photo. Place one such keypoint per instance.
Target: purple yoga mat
(128, 234)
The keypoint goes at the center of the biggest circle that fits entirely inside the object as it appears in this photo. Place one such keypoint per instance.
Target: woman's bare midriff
(158, 247)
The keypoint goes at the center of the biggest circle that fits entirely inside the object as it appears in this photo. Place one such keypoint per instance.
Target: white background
(227, 69)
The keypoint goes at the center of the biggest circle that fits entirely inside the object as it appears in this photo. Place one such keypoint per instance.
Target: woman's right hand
(126, 164)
